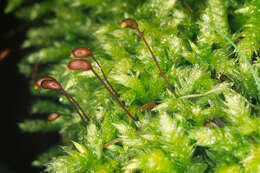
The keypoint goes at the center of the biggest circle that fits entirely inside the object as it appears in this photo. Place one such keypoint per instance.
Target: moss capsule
(50, 84)
(80, 64)
(40, 80)
(53, 116)
(129, 23)
(148, 106)
(80, 52)
(208, 124)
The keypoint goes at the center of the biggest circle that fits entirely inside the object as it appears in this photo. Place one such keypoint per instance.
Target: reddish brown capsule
(80, 64)
(40, 80)
(4, 53)
(51, 84)
(53, 116)
(85, 52)
(208, 124)
(81, 52)
(148, 106)
(129, 23)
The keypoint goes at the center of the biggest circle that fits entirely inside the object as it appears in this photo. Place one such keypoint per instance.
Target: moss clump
(209, 51)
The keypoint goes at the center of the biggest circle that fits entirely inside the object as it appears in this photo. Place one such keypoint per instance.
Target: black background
(18, 149)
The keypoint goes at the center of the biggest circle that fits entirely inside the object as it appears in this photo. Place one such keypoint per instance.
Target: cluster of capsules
(82, 64)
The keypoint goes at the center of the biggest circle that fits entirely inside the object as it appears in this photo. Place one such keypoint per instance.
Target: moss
(209, 51)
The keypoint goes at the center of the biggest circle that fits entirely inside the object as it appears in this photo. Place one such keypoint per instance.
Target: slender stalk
(155, 59)
(74, 106)
(50, 83)
(111, 93)
(100, 69)
(116, 140)
(79, 107)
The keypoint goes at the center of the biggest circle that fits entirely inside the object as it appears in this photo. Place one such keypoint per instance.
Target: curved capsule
(53, 116)
(50, 84)
(148, 106)
(208, 124)
(40, 80)
(81, 52)
(80, 64)
(129, 23)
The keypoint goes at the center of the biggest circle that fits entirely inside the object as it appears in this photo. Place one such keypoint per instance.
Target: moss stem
(76, 106)
(155, 59)
(111, 93)
(100, 69)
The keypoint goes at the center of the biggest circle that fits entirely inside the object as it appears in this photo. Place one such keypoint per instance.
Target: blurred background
(18, 149)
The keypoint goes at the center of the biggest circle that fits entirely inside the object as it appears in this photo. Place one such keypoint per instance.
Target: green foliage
(12, 5)
(45, 157)
(209, 51)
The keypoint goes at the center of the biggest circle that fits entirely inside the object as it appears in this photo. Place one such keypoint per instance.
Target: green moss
(209, 51)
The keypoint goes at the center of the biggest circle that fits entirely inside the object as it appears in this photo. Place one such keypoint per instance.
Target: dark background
(18, 149)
